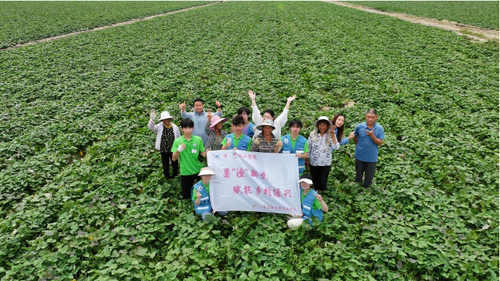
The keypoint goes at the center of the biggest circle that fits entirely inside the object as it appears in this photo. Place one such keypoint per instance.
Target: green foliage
(477, 13)
(81, 190)
(28, 21)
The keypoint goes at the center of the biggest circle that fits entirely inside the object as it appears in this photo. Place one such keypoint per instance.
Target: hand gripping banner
(254, 182)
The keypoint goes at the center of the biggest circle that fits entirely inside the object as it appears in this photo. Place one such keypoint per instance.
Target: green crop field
(27, 21)
(82, 195)
(478, 13)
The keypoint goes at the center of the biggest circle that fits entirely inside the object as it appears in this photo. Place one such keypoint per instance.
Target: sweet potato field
(82, 195)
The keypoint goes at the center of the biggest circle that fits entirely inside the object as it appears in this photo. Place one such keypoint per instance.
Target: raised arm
(256, 117)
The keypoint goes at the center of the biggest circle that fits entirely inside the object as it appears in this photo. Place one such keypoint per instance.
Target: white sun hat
(266, 122)
(206, 171)
(322, 118)
(165, 115)
(308, 181)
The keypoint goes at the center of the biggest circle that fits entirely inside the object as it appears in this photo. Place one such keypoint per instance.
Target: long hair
(340, 130)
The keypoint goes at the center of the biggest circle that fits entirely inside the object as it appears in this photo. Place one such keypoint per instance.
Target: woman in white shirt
(321, 145)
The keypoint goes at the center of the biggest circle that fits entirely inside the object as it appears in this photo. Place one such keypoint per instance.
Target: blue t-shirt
(366, 149)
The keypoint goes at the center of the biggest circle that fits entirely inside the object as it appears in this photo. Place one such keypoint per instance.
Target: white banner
(254, 182)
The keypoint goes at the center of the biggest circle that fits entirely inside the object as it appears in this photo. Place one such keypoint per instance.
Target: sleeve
(253, 146)
(316, 205)
(356, 131)
(189, 115)
(256, 117)
(381, 133)
(151, 126)
(249, 145)
(218, 113)
(224, 141)
(281, 120)
(210, 141)
(334, 145)
(344, 141)
(200, 143)
(207, 128)
(175, 145)
(193, 191)
(251, 127)
(306, 147)
(177, 133)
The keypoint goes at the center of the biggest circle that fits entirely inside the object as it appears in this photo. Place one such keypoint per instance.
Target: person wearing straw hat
(313, 204)
(166, 133)
(214, 131)
(265, 141)
(321, 145)
(201, 194)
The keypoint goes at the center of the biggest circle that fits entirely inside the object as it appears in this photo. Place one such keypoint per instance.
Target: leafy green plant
(82, 195)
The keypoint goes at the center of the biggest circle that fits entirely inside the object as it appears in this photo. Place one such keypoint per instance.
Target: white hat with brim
(165, 115)
(206, 171)
(308, 181)
(266, 123)
(322, 118)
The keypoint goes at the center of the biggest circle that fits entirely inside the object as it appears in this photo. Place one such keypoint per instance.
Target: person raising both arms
(269, 114)
(199, 116)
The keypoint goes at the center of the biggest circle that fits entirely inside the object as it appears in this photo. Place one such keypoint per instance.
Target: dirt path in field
(105, 27)
(475, 33)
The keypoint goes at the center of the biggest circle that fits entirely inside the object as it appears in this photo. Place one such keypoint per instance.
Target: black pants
(187, 183)
(319, 175)
(365, 167)
(166, 157)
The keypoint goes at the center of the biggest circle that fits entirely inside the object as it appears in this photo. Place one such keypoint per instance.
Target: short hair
(238, 120)
(294, 122)
(372, 111)
(241, 109)
(198, 99)
(270, 111)
(187, 123)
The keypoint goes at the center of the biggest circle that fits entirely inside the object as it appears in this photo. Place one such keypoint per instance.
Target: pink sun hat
(216, 120)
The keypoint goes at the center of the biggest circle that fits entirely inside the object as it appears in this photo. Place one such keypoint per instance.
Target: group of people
(203, 131)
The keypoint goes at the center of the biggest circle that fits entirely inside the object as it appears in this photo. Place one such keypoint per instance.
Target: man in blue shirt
(199, 116)
(368, 136)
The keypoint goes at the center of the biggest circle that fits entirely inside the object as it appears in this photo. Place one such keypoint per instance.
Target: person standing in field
(237, 140)
(166, 133)
(321, 145)
(215, 133)
(187, 148)
(269, 115)
(265, 141)
(296, 144)
(337, 131)
(249, 127)
(368, 136)
(199, 116)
